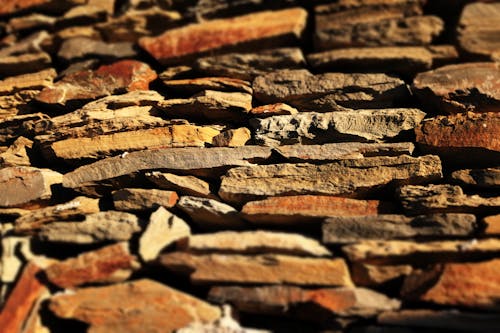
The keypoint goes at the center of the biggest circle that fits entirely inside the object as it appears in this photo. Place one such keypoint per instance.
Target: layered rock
(138, 199)
(478, 178)
(187, 185)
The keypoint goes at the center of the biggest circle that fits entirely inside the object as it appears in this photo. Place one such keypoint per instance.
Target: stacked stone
(249, 166)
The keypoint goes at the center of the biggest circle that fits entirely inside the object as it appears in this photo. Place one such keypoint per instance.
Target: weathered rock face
(327, 92)
(244, 32)
(193, 86)
(138, 199)
(478, 178)
(460, 88)
(187, 185)
(84, 47)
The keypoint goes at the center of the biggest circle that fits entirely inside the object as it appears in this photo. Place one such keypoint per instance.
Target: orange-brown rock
(305, 209)
(367, 275)
(193, 86)
(109, 264)
(139, 199)
(186, 185)
(236, 137)
(134, 307)
(258, 30)
(473, 285)
(492, 224)
(270, 110)
(259, 269)
(121, 76)
(12, 6)
(464, 139)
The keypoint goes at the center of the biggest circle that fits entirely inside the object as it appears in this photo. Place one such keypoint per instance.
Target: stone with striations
(12, 127)
(138, 199)
(193, 86)
(18, 154)
(186, 185)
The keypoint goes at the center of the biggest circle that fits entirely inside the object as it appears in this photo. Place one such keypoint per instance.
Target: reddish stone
(119, 77)
(261, 30)
(13, 6)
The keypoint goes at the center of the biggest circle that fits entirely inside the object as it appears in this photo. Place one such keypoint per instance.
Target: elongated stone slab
(347, 229)
(18, 154)
(262, 269)
(269, 28)
(194, 86)
(349, 178)
(326, 92)
(367, 275)
(181, 159)
(78, 48)
(488, 179)
(13, 127)
(355, 125)
(283, 299)
(186, 185)
(138, 199)
(151, 306)
(24, 63)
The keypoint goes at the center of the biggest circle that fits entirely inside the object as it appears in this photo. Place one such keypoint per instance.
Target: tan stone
(134, 307)
(488, 179)
(367, 275)
(109, 264)
(17, 153)
(492, 225)
(276, 109)
(193, 86)
(232, 138)
(138, 199)
(24, 63)
(270, 28)
(260, 269)
(186, 185)
(15, 126)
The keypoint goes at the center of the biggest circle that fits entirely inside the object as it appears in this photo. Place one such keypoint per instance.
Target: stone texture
(478, 178)
(354, 125)
(209, 9)
(71, 210)
(367, 275)
(119, 77)
(445, 284)
(13, 127)
(460, 88)
(294, 301)
(185, 185)
(24, 63)
(22, 186)
(444, 198)
(193, 86)
(327, 92)
(15, 250)
(138, 199)
(305, 209)
(138, 306)
(83, 47)
(344, 178)
(261, 269)
(209, 105)
(478, 29)
(270, 28)
(163, 229)
(182, 159)
(247, 66)
(276, 109)
(232, 138)
(211, 214)
(255, 242)
(399, 252)
(462, 139)
(109, 264)
(353, 229)
(18, 154)
(16, 6)
(492, 224)
(96, 228)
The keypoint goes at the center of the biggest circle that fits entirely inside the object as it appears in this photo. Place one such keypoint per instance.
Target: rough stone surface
(13, 127)
(24, 63)
(348, 229)
(193, 86)
(444, 198)
(460, 88)
(232, 138)
(367, 275)
(269, 28)
(261, 269)
(478, 178)
(17, 154)
(305, 209)
(492, 224)
(327, 92)
(138, 306)
(185, 185)
(138, 199)
(163, 229)
(344, 178)
(445, 284)
(354, 125)
(83, 47)
(276, 109)
(109, 264)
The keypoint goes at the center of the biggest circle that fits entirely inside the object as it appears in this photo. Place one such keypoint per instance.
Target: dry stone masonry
(249, 166)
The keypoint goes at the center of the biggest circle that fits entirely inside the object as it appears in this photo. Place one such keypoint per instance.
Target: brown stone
(277, 109)
(193, 86)
(232, 138)
(17, 154)
(270, 28)
(109, 264)
(138, 199)
(304, 209)
(31, 81)
(16, 6)
(460, 88)
(294, 301)
(478, 178)
(346, 178)
(492, 225)
(464, 139)
(22, 186)
(24, 63)
(121, 76)
(367, 275)
(84, 47)
(472, 285)
(134, 307)
(185, 185)
(260, 269)
(15, 126)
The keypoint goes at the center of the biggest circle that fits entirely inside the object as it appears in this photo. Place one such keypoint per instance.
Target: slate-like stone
(463, 139)
(358, 178)
(259, 269)
(10, 7)
(119, 77)
(21, 125)
(193, 86)
(460, 88)
(294, 300)
(257, 30)
(247, 66)
(305, 209)
(366, 275)
(353, 125)
(24, 63)
(185, 185)
(210, 9)
(138, 199)
(236, 137)
(473, 285)
(478, 178)
(135, 307)
(269, 110)
(83, 47)
(417, 199)
(346, 229)
(329, 91)
(18, 154)
(30, 22)
(109, 264)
